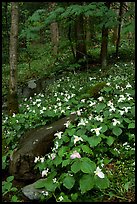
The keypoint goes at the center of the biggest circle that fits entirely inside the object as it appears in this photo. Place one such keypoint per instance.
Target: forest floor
(120, 75)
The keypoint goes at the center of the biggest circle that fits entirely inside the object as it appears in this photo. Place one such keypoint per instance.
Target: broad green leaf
(68, 182)
(65, 162)
(87, 166)
(131, 125)
(10, 178)
(86, 183)
(71, 131)
(62, 150)
(117, 131)
(86, 149)
(127, 120)
(104, 128)
(100, 107)
(110, 140)
(101, 183)
(76, 166)
(57, 160)
(94, 141)
(40, 183)
(74, 196)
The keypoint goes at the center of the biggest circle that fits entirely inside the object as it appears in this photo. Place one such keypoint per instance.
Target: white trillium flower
(60, 198)
(99, 173)
(100, 98)
(67, 124)
(76, 139)
(126, 109)
(115, 122)
(58, 134)
(96, 130)
(82, 122)
(75, 155)
(42, 159)
(45, 172)
(36, 159)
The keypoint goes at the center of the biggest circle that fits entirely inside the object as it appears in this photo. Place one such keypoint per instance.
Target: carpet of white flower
(95, 155)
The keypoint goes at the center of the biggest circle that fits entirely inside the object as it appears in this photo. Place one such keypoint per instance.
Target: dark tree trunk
(12, 98)
(119, 27)
(54, 31)
(80, 38)
(104, 44)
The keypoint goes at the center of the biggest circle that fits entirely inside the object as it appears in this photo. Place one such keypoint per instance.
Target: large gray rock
(36, 142)
(33, 193)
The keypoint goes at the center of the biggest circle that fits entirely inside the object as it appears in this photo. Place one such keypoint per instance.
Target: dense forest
(68, 101)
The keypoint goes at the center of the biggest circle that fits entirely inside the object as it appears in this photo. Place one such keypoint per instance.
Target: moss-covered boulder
(36, 142)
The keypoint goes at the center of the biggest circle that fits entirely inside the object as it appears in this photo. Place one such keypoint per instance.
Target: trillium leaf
(100, 107)
(76, 166)
(104, 128)
(94, 141)
(131, 125)
(87, 166)
(101, 183)
(86, 183)
(62, 150)
(65, 162)
(68, 182)
(86, 149)
(117, 131)
(110, 140)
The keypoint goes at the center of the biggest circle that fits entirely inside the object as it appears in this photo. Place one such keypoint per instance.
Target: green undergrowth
(94, 158)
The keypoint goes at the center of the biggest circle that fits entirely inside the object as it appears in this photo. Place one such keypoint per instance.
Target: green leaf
(117, 131)
(86, 149)
(104, 128)
(127, 120)
(40, 183)
(68, 182)
(62, 150)
(101, 183)
(14, 198)
(10, 178)
(65, 162)
(126, 186)
(87, 166)
(57, 160)
(76, 166)
(71, 131)
(94, 141)
(86, 183)
(74, 196)
(131, 125)
(110, 140)
(100, 107)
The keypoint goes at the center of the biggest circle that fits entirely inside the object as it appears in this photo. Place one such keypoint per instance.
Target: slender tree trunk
(80, 38)
(12, 98)
(104, 44)
(119, 27)
(54, 31)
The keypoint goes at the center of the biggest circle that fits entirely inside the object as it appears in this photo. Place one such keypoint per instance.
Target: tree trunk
(80, 38)
(12, 98)
(119, 27)
(54, 31)
(104, 44)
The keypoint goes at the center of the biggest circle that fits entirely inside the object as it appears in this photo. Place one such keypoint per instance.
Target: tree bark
(104, 44)
(119, 28)
(80, 38)
(12, 98)
(54, 31)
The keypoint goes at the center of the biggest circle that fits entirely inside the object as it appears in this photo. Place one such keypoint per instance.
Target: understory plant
(91, 154)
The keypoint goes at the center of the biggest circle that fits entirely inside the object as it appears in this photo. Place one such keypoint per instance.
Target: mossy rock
(93, 91)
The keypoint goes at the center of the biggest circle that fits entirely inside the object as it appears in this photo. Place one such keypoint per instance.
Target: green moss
(94, 91)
